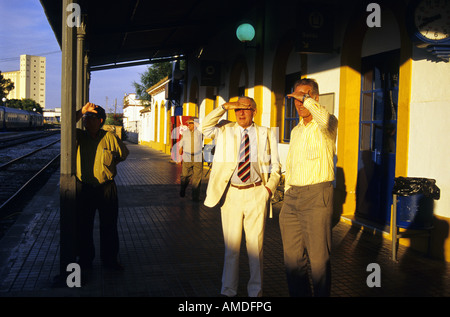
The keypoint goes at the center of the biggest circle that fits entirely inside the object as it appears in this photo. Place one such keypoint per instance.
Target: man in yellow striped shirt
(305, 218)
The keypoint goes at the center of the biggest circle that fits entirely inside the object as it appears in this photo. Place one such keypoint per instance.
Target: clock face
(432, 19)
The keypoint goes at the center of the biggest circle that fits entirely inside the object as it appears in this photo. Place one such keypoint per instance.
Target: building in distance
(29, 80)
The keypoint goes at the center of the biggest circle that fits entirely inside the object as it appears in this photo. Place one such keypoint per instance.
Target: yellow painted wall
(209, 101)
(348, 133)
(258, 97)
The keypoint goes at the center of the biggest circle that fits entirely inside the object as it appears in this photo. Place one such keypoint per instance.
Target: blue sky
(24, 29)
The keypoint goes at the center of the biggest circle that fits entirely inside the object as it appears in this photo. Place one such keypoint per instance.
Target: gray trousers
(305, 223)
(194, 171)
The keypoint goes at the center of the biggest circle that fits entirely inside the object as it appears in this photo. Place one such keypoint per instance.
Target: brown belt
(247, 186)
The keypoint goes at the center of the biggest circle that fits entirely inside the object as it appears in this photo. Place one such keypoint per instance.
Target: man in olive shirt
(98, 153)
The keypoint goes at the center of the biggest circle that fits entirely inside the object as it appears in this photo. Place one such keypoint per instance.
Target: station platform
(173, 247)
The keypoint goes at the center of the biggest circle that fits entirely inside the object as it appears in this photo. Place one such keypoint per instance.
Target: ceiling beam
(148, 27)
(136, 63)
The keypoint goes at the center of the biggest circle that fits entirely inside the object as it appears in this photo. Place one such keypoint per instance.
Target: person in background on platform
(98, 153)
(306, 215)
(190, 147)
(245, 174)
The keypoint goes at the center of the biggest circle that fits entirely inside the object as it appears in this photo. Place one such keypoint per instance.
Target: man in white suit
(245, 174)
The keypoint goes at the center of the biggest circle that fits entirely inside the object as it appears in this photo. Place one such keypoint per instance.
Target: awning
(132, 32)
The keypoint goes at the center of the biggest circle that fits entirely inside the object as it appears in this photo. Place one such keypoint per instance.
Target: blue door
(377, 136)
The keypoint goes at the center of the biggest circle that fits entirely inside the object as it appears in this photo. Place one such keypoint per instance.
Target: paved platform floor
(173, 247)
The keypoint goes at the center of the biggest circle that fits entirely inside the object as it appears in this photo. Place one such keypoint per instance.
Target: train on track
(17, 119)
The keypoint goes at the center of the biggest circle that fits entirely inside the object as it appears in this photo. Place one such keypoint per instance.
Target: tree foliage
(150, 77)
(114, 119)
(25, 104)
(6, 85)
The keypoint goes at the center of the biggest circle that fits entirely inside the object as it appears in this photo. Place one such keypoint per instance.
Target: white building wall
(429, 146)
(145, 134)
(153, 118)
(32, 72)
(29, 81)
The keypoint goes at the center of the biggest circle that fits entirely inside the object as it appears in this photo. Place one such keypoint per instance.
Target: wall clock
(429, 25)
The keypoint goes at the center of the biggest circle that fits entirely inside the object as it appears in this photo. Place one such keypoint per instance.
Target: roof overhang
(158, 87)
(133, 32)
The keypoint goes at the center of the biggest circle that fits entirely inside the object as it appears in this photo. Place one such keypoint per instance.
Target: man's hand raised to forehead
(241, 104)
(89, 107)
(298, 95)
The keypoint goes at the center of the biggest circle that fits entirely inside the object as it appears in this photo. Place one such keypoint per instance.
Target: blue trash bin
(415, 212)
(415, 201)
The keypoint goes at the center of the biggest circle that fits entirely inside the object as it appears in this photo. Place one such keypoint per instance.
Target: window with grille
(290, 113)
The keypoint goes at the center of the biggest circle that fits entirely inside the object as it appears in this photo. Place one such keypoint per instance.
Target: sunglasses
(90, 115)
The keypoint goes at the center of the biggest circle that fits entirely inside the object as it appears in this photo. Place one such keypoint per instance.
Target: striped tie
(244, 158)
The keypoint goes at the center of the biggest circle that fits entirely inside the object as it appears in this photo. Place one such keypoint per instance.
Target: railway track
(20, 176)
(16, 138)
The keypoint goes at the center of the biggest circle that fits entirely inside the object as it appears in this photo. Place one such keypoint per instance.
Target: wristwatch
(305, 96)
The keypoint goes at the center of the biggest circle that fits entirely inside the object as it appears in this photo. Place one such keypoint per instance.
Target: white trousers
(244, 209)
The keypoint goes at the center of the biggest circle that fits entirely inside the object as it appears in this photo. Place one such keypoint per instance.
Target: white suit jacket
(226, 155)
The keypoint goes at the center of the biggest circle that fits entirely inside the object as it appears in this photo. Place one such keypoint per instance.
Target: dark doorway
(377, 136)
